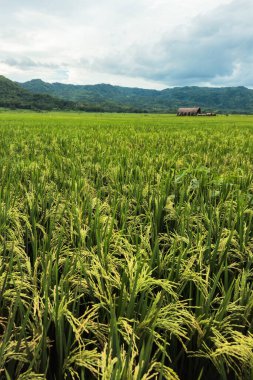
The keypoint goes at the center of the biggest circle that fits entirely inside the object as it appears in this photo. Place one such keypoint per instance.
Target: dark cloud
(27, 63)
(217, 48)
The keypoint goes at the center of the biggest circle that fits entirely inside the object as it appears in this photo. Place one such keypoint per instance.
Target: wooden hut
(194, 111)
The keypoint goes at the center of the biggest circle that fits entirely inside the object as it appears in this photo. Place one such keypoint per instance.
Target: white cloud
(145, 43)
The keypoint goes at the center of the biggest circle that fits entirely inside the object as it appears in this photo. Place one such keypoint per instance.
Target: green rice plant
(125, 247)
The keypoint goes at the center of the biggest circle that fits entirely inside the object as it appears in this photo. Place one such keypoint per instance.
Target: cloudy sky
(142, 43)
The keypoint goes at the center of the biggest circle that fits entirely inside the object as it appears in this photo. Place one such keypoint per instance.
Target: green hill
(40, 95)
(13, 96)
(116, 98)
(100, 97)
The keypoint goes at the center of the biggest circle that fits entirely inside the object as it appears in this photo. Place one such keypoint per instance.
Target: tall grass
(126, 247)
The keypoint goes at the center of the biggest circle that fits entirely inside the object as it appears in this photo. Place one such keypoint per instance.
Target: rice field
(126, 247)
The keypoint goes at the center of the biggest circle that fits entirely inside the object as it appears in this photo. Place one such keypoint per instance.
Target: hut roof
(191, 110)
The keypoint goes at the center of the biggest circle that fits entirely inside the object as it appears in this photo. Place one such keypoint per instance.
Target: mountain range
(39, 95)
